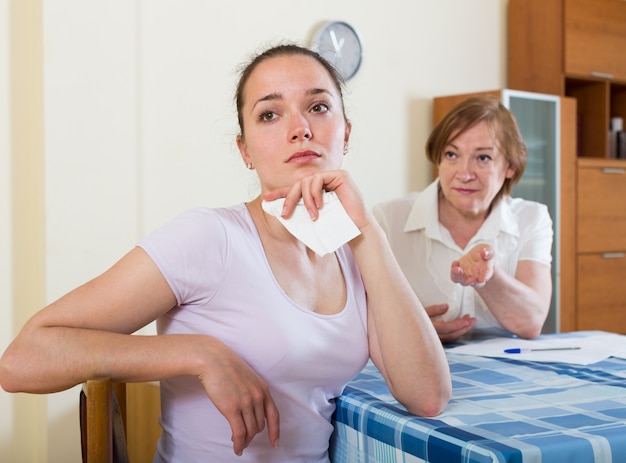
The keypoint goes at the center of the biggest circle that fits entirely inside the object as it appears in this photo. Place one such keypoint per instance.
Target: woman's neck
(462, 226)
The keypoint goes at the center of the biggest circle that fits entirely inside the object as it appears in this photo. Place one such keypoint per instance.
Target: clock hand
(336, 45)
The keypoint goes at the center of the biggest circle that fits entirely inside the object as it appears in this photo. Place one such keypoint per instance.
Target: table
(501, 410)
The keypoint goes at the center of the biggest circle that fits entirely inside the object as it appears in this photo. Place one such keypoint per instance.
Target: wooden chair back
(103, 422)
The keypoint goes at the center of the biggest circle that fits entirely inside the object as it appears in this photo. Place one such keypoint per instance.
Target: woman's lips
(303, 157)
(465, 191)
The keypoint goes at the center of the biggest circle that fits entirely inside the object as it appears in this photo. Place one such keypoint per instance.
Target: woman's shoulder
(527, 211)
(206, 215)
(196, 224)
(414, 209)
(407, 200)
(401, 202)
(523, 205)
(397, 208)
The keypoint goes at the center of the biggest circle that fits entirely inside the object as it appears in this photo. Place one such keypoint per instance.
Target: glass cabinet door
(538, 119)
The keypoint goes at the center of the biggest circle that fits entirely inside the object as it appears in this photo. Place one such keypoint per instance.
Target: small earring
(345, 150)
(249, 166)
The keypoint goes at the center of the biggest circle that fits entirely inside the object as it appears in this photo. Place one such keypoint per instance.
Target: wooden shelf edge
(601, 162)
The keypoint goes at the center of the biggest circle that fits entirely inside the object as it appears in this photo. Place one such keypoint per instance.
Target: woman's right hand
(241, 395)
(311, 188)
(474, 268)
(449, 331)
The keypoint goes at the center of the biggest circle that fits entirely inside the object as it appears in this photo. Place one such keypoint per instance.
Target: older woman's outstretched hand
(475, 268)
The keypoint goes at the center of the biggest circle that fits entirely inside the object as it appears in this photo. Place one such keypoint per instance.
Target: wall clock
(341, 45)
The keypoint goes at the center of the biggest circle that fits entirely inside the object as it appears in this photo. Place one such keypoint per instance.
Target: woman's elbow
(529, 334)
(529, 330)
(430, 409)
(430, 403)
(7, 372)
(17, 368)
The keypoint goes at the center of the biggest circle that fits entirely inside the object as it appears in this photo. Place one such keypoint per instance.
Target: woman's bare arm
(87, 334)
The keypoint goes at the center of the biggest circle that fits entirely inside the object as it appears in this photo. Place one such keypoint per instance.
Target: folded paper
(332, 229)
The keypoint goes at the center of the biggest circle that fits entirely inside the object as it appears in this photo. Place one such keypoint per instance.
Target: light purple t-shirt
(215, 264)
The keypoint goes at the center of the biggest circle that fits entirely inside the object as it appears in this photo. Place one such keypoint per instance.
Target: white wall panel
(91, 159)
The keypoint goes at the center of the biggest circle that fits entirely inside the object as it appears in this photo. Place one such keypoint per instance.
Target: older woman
(477, 258)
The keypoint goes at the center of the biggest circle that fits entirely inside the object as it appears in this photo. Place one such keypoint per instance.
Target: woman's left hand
(311, 189)
(475, 268)
(452, 330)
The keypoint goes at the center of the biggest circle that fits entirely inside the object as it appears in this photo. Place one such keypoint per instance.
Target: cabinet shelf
(602, 163)
(592, 117)
(618, 99)
(598, 101)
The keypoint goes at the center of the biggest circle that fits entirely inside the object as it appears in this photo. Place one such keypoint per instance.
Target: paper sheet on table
(593, 348)
(332, 229)
(621, 354)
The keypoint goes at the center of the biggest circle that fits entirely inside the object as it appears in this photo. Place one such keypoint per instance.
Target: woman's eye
(449, 154)
(267, 116)
(484, 158)
(320, 108)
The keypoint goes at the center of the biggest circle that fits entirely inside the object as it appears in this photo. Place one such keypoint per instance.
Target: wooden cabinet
(574, 48)
(595, 38)
(577, 48)
(601, 245)
(548, 126)
(601, 292)
(601, 206)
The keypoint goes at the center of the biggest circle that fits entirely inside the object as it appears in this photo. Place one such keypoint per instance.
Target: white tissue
(332, 229)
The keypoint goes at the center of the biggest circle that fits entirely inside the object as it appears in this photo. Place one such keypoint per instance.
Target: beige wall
(116, 115)
(6, 311)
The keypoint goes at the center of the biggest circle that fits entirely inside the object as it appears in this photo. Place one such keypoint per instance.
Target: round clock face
(340, 44)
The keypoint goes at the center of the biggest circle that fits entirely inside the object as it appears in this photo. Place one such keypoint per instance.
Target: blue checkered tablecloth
(501, 410)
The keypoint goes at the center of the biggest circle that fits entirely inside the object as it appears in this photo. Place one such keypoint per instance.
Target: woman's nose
(303, 133)
(301, 130)
(465, 171)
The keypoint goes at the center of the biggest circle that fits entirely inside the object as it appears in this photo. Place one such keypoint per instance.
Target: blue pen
(518, 350)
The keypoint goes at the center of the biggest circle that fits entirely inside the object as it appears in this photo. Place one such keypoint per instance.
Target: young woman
(257, 334)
